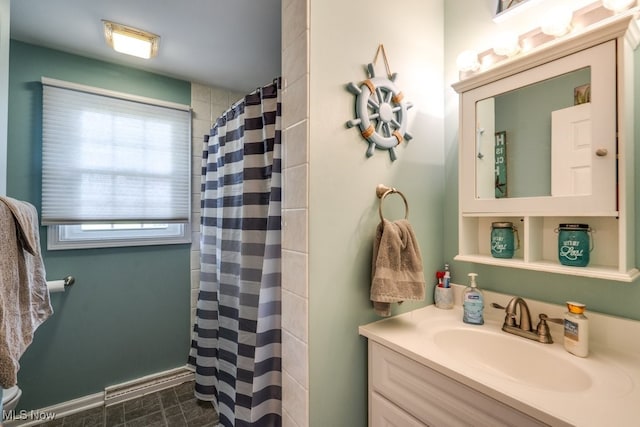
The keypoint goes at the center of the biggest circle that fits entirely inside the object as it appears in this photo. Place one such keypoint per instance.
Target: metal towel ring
(383, 191)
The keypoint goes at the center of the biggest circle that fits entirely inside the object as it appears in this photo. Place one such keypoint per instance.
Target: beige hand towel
(397, 272)
(24, 298)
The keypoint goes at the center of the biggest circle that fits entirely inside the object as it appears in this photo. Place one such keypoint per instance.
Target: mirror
(545, 167)
(526, 136)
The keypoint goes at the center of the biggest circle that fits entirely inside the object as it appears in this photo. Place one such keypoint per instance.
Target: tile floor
(167, 408)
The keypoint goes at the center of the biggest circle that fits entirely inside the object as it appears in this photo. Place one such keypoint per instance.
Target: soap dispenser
(472, 302)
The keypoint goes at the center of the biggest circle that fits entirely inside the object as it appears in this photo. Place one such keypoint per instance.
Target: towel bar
(383, 191)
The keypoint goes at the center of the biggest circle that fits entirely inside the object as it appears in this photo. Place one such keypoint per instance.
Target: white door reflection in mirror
(571, 151)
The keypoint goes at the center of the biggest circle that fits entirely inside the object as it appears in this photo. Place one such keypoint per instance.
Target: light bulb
(506, 44)
(558, 22)
(467, 61)
(618, 5)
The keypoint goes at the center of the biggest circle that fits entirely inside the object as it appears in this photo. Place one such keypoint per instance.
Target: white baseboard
(112, 395)
(145, 385)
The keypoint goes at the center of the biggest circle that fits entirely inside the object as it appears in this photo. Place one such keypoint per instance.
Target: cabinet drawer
(433, 398)
(386, 414)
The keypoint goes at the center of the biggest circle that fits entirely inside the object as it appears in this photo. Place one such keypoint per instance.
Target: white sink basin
(513, 357)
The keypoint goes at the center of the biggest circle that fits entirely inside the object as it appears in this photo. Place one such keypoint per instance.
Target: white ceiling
(234, 44)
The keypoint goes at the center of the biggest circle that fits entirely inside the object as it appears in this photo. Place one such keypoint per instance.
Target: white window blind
(110, 157)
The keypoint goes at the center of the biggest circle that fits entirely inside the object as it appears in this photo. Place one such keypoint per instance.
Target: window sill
(54, 241)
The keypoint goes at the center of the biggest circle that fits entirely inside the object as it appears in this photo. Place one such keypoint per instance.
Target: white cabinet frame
(606, 47)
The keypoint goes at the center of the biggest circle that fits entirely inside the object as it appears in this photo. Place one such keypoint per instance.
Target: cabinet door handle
(601, 152)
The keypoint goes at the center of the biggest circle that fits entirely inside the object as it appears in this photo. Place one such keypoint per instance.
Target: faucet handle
(552, 319)
(544, 334)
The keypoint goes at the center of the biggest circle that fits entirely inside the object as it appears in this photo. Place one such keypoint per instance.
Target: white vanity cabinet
(429, 368)
(404, 393)
(553, 176)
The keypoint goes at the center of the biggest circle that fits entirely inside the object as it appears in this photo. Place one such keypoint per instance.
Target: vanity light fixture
(131, 41)
(558, 22)
(618, 5)
(561, 21)
(468, 61)
(506, 44)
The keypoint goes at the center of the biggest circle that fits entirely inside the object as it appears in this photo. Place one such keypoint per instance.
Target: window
(116, 168)
(109, 235)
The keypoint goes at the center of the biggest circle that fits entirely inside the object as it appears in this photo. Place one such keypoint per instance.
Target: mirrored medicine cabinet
(546, 138)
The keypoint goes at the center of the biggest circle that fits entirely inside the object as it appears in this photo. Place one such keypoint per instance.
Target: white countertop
(613, 364)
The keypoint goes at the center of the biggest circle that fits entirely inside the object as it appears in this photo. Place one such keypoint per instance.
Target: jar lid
(574, 226)
(575, 307)
(502, 224)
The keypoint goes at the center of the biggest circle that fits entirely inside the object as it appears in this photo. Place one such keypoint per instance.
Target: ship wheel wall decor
(381, 111)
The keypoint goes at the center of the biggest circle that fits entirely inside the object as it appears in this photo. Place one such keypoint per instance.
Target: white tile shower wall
(207, 103)
(295, 248)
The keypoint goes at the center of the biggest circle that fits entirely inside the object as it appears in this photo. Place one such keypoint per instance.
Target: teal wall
(343, 208)
(469, 25)
(128, 313)
(4, 87)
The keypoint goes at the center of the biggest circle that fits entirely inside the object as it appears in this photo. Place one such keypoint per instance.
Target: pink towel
(397, 272)
(24, 298)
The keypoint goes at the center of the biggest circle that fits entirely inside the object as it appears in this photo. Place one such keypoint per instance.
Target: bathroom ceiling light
(618, 5)
(131, 41)
(558, 22)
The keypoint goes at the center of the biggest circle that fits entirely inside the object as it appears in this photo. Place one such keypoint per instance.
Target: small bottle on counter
(472, 302)
(446, 282)
(576, 329)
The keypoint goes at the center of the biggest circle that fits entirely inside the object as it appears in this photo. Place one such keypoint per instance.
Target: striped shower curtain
(236, 349)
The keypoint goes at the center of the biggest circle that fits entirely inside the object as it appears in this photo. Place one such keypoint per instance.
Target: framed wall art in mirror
(504, 5)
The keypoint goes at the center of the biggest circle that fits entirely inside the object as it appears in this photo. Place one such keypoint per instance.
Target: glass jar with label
(574, 244)
(504, 236)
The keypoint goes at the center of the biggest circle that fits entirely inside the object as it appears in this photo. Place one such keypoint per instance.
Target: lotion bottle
(472, 302)
(576, 329)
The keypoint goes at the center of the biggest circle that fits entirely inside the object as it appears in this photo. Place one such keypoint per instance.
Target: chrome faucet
(523, 327)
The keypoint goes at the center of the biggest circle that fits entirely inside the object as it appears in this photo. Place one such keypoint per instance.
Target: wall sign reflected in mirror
(526, 139)
(582, 94)
(501, 165)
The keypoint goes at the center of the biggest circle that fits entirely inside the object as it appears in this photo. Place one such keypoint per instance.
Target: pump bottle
(472, 302)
